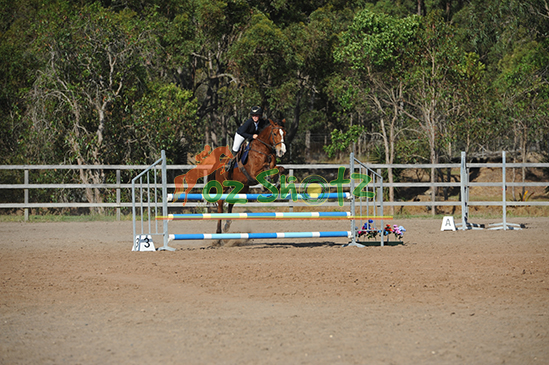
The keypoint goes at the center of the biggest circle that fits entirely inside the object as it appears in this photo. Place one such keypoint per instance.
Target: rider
(249, 130)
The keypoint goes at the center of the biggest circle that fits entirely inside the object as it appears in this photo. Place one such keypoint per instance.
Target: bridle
(271, 138)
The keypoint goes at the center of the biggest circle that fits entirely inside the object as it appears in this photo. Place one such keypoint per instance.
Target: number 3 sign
(143, 242)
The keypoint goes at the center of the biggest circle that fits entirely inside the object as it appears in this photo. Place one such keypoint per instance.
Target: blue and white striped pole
(236, 236)
(269, 215)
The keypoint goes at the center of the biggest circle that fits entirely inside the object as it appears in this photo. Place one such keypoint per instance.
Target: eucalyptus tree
(17, 67)
(264, 61)
(209, 30)
(94, 71)
(305, 94)
(404, 8)
(470, 128)
(523, 96)
(512, 39)
(433, 96)
(377, 47)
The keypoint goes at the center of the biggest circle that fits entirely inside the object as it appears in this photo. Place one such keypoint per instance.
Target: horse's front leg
(219, 210)
(244, 190)
(228, 221)
(275, 179)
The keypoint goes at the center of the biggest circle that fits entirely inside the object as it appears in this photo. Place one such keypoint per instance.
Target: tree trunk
(421, 8)
(308, 144)
(292, 131)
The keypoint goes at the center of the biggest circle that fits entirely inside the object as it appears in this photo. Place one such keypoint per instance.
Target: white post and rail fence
(120, 191)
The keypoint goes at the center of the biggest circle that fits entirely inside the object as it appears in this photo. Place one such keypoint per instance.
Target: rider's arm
(245, 129)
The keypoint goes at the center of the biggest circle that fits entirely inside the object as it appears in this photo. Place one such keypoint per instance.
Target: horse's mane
(268, 124)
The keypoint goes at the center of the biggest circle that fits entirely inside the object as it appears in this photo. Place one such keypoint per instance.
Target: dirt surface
(74, 293)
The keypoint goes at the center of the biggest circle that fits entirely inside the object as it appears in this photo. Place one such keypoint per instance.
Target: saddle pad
(244, 157)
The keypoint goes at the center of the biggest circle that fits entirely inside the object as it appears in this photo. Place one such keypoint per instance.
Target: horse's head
(278, 134)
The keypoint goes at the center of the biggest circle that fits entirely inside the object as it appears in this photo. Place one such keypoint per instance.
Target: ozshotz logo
(313, 190)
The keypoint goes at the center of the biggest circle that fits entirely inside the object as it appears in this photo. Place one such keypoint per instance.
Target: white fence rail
(291, 170)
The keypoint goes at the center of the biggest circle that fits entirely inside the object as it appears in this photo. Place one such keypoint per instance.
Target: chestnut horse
(262, 157)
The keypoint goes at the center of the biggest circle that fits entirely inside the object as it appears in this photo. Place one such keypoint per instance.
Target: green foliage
(523, 91)
(378, 42)
(262, 52)
(96, 81)
(165, 118)
(345, 92)
(342, 140)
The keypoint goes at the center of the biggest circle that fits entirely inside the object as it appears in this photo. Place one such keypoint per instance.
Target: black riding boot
(232, 162)
(230, 165)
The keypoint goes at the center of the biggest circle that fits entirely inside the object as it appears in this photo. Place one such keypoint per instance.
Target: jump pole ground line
(233, 236)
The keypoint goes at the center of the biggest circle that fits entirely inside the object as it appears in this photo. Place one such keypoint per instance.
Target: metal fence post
(26, 194)
(290, 202)
(165, 234)
(463, 186)
(504, 190)
(380, 195)
(118, 195)
(352, 187)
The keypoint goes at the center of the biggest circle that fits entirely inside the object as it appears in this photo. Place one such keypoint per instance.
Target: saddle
(240, 158)
(242, 154)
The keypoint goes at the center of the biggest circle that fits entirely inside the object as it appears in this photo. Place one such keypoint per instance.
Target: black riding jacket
(247, 129)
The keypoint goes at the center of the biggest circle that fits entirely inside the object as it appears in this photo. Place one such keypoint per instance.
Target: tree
(263, 58)
(523, 91)
(376, 47)
(432, 94)
(92, 71)
(17, 67)
(163, 119)
(511, 39)
(305, 94)
(218, 25)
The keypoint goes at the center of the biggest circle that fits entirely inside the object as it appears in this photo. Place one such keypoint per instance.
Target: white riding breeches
(238, 139)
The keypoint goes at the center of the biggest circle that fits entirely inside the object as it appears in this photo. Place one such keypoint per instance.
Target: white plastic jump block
(448, 224)
(143, 242)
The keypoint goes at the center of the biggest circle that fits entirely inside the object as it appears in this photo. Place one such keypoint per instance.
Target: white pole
(353, 212)
(504, 197)
(463, 183)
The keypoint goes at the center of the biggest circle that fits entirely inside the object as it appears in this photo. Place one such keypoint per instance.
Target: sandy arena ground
(74, 293)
